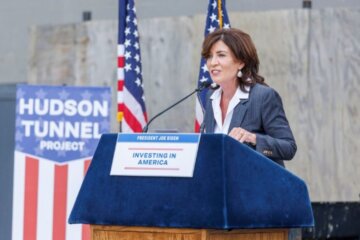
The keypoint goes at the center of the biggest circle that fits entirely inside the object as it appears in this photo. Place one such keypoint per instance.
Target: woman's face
(222, 64)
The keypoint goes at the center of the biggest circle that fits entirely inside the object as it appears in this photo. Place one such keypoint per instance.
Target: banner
(57, 131)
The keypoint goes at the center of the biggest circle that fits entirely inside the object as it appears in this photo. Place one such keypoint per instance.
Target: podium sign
(159, 154)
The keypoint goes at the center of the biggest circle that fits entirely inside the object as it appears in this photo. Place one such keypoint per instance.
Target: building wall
(309, 56)
(16, 16)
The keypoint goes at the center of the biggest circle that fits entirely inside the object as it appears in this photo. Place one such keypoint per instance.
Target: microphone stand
(199, 89)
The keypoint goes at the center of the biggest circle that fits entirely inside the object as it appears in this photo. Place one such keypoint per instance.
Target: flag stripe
(197, 126)
(86, 227)
(135, 112)
(75, 177)
(132, 121)
(120, 85)
(121, 107)
(121, 49)
(45, 199)
(120, 74)
(31, 192)
(18, 196)
(125, 126)
(121, 62)
(59, 208)
(120, 98)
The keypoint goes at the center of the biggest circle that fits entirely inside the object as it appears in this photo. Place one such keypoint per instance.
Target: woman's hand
(242, 135)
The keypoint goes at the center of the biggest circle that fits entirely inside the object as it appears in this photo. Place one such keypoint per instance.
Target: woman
(244, 106)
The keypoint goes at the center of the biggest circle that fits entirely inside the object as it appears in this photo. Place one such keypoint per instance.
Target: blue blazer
(263, 114)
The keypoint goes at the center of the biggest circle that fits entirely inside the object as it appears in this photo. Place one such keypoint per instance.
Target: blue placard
(61, 123)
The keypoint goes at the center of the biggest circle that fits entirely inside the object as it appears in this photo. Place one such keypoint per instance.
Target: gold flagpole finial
(120, 116)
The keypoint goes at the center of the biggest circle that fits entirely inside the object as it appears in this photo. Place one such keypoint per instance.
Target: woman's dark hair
(243, 48)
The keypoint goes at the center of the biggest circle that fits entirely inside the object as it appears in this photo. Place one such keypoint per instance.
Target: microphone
(199, 89)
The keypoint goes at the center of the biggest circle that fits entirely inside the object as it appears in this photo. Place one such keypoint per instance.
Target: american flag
(214, 20)
(130, 99)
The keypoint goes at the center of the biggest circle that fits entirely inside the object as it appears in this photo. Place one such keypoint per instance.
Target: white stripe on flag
(134, 107)
(120, 49)
(75, 178)
(120, 74)
(18, 196)
(44, 227)
(125, 127)
(120, 97)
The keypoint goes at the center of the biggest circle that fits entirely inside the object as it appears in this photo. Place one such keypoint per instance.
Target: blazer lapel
(239, 114)
(209, 120)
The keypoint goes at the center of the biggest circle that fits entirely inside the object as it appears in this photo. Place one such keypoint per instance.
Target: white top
(221, 127)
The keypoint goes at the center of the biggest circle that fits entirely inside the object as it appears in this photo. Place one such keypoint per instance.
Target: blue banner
(61, 123)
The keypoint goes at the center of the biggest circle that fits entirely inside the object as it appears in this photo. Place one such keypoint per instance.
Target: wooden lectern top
(154, 233)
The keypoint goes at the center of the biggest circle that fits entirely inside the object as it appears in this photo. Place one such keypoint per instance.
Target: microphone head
(214, 86)
(211, 85)
(205, 85)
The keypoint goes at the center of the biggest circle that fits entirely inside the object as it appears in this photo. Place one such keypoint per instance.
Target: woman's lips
(215, 72)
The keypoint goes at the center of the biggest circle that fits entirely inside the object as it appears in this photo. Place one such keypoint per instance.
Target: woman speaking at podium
(244, 106)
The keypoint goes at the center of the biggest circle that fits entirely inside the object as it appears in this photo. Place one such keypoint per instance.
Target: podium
(234, 193)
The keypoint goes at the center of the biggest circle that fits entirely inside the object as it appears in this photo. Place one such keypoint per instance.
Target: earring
(239, 74)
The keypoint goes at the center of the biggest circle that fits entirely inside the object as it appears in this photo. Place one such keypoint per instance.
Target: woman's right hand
(243, 135)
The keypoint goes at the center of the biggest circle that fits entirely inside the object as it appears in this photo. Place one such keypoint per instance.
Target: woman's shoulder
(262, 89)
(264, 92)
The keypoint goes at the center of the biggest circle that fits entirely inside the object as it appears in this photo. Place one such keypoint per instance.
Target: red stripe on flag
(120, 85)
(197, 126)
(121, 107)
(85, 229)
(121, 62)
(131, 120)
(60, 195)
(145, 117)
(31, 193)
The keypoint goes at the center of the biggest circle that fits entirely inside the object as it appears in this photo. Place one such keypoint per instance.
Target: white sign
(166, 155)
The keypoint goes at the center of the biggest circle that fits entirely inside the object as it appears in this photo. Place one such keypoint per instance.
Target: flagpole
(220, 14)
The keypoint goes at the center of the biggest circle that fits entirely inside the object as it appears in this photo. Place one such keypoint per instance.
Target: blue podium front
(233, 187)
